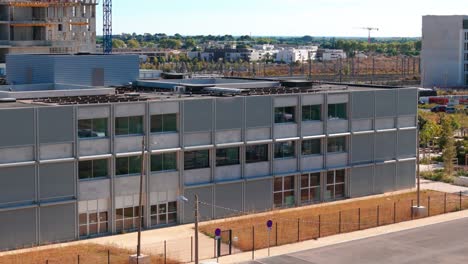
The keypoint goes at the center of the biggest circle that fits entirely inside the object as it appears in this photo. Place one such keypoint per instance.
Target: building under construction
(47, 26)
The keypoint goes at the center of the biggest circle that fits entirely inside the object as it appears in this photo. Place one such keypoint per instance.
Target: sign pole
(269, 226)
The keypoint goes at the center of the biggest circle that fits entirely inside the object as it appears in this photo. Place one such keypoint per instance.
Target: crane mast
(107, 26)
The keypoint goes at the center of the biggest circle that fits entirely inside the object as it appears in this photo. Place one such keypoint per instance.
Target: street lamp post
(196, 214)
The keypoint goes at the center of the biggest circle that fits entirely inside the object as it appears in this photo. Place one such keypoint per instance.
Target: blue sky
(400, 18)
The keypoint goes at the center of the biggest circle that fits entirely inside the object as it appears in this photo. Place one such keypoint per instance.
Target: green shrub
(437, 175)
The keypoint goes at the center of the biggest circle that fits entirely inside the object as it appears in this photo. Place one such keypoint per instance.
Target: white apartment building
(444, 55)
(300, 54)
(332, 54)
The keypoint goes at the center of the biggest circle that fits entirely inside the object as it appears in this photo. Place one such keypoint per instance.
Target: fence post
(78, 259)
(412, 216)
(428, 206)
(460, 200)
(298, 229)
(339, 223)
(378, 215)
(165, 252)
(108, 256)
(445, 203)
(276, 233)
(191, 249)
(394, 212)
(319, 225)
(359, 218)
(253, 242)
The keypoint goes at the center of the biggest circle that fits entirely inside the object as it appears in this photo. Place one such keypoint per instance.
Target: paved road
(440, 243)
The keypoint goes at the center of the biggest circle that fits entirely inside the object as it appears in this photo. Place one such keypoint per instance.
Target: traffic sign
(218, 233)
(269, 224)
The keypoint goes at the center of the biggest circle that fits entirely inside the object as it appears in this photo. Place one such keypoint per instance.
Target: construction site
(47, 26)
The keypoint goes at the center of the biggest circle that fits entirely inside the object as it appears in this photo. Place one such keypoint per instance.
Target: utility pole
(196, 228)
(418, 168)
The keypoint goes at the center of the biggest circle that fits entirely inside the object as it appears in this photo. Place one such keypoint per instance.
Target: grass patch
(89, 254)
(437, 175)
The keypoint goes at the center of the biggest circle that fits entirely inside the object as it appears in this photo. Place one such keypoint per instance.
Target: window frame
(164, 156)
(281, 112)
(92, 168)
(129, 171)
(197, 157)
(267, 154)
(99, 222)
(162, 122)
(93, 125)
(283, 191)
(305, 141)
(310, 187)
(334, 184)
(310, 113)
(156, 216)
(276, 144)
(345, 150)
(336, 111)
(134, 218)
(224, 160)
(128, 122)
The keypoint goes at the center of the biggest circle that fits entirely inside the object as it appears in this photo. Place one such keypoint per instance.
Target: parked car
(450, 110)
(439, 109)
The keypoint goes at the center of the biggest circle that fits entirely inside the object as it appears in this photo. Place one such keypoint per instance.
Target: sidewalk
(332, 240)
(442, 187)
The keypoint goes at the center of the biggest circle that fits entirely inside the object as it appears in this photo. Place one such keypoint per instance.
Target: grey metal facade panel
(229, 113)
(385, 148)
(57, 223)
(362, 149)
(259, 111)
(198, 115)
(56, 124)
(385, 103)
(361, 181)
(362, 105)
(407, 101)
(228, 196)
(406, 176)
(205, 195)
(17, 228)
(384, 178)
(118, 69)
(41, 68)
(18, 128)
(17, 184)
(407, 143)
(57, 180)
(258, 195)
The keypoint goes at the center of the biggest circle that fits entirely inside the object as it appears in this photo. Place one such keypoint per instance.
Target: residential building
(301, 54)
(71, 148)
(444, 54)
(330, 54)
(47, 26)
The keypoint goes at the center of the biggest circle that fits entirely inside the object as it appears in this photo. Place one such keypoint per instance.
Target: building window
(466, 46)
(164, 123)
(285, 150)
(311, 113)
(285, 114)
(92, 128)
(128, 165)
(336, 144)
(283, 192)
(310, 188)
(60, 27)
(466, 67)
(335, 185)
(256, 153)
(227, 156)
(93, 223)
(131, 125)
(466, 79)
(127, 218)
(465, 24)
(337, 111)
(199, 159)
(90, 169)
(466, 56)
(311, 147)
(164, 162)
(164, 213)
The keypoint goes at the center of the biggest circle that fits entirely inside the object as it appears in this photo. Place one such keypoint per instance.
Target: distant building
(301, 54)
(444, 55)
(330, 54)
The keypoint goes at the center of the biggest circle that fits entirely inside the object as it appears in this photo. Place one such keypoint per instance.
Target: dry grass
(297, 224)
(89, 254)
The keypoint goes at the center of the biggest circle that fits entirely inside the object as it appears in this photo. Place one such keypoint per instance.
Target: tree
(118, 44)
(133, 44)
(429, 130)
(448, 146)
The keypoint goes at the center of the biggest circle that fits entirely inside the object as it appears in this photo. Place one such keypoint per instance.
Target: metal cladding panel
(29, 69)
(17, 228)
(361, 181)
(362, 148)
(407, 101)
(385, 103)
(57, 180)
(406, 176)
(229, 113)
(18, 128)
(385, 146)
(57, 223)
(56, 124)
(228, 196)
(362, 105)
(17, 184)
(258, 195)
(198, 115)
(259, 111)
(205, 196)
(384, 178)
(407, 143)
(117, 69)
